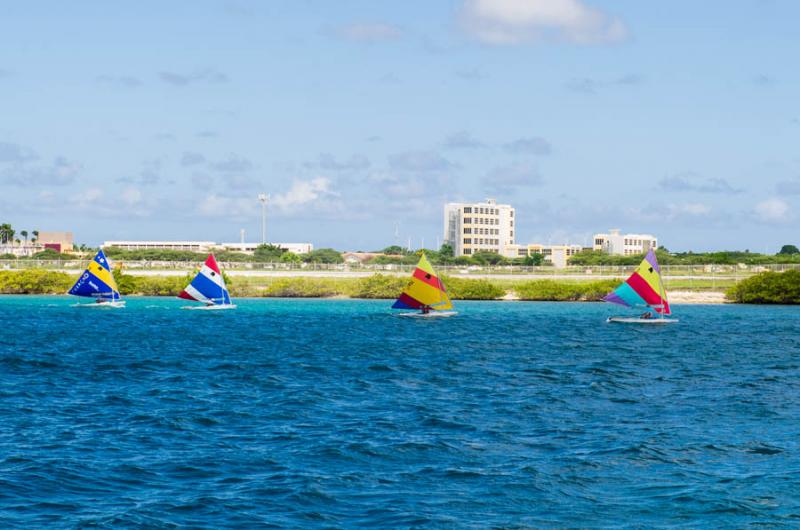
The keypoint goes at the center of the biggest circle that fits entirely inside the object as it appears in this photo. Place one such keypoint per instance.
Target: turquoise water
(288, 413)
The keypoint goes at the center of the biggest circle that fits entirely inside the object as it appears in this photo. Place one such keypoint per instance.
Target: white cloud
(772, 210)
(231, 207)
(87, 198)
(509, 179)
(131, 196)
(419, 161)
(692, 208)
(517, 21)
(303, 192)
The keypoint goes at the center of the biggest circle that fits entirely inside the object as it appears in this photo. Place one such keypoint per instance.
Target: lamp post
(263, 198)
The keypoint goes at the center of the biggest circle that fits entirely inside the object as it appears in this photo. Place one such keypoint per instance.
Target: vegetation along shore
(764, 288)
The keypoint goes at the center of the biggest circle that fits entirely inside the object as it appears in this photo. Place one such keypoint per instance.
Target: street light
(263, 198)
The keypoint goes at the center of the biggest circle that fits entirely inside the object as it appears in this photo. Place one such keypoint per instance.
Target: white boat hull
(119, 304)
(216, 307)
(637, 320)
(432, 314)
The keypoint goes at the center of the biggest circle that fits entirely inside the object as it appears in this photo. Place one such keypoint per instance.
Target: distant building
(479, 227)
(249, 248)
(624, 244)
(58, 241)
(360, 257)
(21, 250)
(205, 246)
(556, 255)
(193, 246)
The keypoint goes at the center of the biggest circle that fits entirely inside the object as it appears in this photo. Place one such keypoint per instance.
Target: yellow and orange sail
(424, 290)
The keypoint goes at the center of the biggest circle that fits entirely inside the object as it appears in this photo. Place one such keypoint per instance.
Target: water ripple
(290, 413)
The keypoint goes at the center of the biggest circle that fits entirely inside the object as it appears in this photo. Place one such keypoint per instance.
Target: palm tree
(24, 233)
(5, 233)
(35, 236)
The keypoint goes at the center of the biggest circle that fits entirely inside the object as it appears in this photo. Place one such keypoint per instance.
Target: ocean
(338, 414)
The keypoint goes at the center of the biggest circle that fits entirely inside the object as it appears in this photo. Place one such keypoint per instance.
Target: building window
(467, 220)
(467, 241)
(468, 230)
(468, 209)
(467, 251)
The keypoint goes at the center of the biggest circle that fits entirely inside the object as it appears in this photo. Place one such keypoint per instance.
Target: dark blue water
(290, 413)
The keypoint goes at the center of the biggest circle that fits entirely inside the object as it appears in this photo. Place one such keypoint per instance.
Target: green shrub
(767, 288)
(306, 288)
(35, 281)
(469, 289)
(379, 286)
(549, 290)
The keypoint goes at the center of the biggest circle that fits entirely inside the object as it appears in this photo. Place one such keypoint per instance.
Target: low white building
(22, 250)
(556, 255)
(205, 246)
(624, 244)
(249, 248)
(193, 246)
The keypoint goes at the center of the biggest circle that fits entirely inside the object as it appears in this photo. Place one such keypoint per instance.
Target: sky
(164, 120)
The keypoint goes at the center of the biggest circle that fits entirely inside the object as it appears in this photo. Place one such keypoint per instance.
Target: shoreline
(677, 298)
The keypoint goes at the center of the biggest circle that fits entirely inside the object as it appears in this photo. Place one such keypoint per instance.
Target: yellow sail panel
(103, 274)
(650, 275)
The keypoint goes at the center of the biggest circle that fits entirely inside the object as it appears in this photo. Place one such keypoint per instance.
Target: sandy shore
(675, 297)
(694, 297)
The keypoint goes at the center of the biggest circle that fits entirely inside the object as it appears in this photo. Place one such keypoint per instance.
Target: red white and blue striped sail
(208, 286)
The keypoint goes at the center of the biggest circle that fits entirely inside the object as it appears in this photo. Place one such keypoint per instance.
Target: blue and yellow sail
(97, 281)
(425, 289)
(644, 288)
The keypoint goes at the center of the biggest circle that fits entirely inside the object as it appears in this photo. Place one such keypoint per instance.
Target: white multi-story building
(624, 244)
(479, 227)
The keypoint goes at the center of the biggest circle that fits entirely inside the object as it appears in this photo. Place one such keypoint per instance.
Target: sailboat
(644, 288)
(425, 292)
(97, 282)
(208, 287)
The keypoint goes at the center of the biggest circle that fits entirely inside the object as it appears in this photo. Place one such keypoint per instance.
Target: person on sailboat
(646, 315)
(426, 309)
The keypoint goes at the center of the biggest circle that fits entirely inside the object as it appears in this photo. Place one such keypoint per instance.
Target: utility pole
(263, 198)
(241, 236)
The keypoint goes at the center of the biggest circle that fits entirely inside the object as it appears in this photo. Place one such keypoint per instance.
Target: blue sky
(163, 120)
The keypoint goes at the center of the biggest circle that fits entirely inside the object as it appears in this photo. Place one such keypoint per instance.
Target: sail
(97, 280)
(424, 289)
(643, 288)
(208, 286)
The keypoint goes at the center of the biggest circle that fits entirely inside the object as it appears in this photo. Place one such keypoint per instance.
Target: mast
(661, 288)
